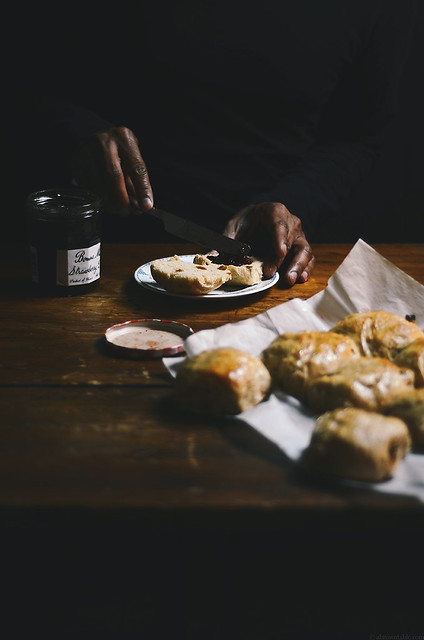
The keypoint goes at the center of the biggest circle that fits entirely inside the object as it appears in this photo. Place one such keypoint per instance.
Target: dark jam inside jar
(64, 232)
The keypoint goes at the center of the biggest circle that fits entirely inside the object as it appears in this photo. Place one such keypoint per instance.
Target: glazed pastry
(379, 333)
(178, 276)
(356, 444)
(412, 356)
(409, 407)
(221, 381)
(242, 275)
(294, 359)
(365, 383)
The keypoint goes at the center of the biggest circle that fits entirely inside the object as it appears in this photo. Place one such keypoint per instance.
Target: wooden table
(97, 464)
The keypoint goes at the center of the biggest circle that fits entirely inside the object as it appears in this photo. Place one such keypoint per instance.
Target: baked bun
(409, 407)
(178, 276)
(243, 275)
(221, 381)
(412, 356)
(357, 444)
(379, 333)
(294, 359)
(366, 383)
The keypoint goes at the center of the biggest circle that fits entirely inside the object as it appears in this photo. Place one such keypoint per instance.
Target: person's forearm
(354, 126)
(316, 189)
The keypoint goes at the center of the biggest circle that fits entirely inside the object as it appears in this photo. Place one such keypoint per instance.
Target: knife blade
(193, 232)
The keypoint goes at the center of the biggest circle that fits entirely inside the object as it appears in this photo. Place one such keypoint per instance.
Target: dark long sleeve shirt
(233, 103)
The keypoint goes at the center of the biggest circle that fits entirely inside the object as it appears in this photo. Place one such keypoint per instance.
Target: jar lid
(148, 338)
(70, 202)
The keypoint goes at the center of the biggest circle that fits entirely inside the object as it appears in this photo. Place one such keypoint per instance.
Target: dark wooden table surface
(95, 458)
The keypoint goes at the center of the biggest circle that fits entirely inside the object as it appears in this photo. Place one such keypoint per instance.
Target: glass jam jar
(64, 237)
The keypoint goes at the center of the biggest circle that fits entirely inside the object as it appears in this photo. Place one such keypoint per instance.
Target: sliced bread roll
(178, 276)
(242, 275)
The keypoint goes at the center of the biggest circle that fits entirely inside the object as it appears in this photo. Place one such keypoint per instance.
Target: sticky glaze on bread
(379, 333)
(221, 381)
(412, 356)
(294, 359)
(357, 444)
(367, 383)
(409, 407)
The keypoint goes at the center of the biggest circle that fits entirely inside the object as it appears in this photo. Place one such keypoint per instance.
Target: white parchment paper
(364, 281)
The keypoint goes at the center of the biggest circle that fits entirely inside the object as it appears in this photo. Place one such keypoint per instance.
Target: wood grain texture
(84, 428)
(124, 518)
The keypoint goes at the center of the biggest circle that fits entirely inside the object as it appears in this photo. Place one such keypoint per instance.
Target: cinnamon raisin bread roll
(409, 407)
(356, 444)
(368, 383)
(221, 381)
(294, 359)
(412, 356)
(379, 333)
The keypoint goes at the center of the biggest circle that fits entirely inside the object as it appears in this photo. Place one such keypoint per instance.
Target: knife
(188, 230)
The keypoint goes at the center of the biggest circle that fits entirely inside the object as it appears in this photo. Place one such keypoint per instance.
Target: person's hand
(110, 164)
(276, 236)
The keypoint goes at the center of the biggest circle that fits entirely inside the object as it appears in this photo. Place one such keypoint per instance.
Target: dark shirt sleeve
(46, 125)
(352, 131)
(49, 142)
(48, 111)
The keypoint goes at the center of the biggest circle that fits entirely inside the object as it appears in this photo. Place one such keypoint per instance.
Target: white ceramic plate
(144, 277)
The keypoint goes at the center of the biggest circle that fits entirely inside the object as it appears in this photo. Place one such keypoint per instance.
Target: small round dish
(147, 338)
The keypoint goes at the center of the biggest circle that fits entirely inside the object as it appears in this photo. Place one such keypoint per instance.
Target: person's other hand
(276, 236)
(110, 163)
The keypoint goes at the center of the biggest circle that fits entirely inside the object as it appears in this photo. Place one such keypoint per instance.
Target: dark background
(393, 191)
(395, 188)
(97, 585)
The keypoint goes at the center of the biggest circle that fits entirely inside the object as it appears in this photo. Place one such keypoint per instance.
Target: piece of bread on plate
(356, 444)
(178, 276)
(221, 381)
(294, 359)
(242, 275)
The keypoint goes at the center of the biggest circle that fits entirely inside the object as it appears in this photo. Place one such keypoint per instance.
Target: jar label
(77, 266)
